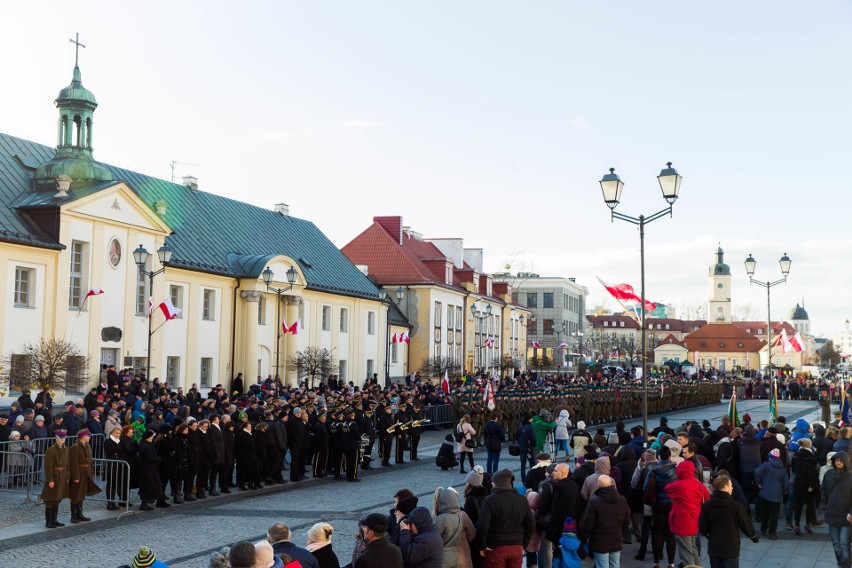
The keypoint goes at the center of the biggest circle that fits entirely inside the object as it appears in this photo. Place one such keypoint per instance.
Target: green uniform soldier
(56, 476)
(82, 482)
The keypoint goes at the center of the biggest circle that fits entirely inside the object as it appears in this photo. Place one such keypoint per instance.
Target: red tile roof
(598, 321)
(670, 340)
(761, 325)
(724, 337)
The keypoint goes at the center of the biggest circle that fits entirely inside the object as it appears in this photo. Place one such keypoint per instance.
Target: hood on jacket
(533, 498)
(608, 494)
(446, 500)
(685, 470)
(563, 414)
(138, 404)
(624, 453)
(841, 456)
(802, 426)
(421, 518)
(695, 431)
(603, 466)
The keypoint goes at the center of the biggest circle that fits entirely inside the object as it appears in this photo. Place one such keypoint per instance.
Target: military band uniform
(386, 430)
(404, 420)
(416, 416)
(321, 440)
(350, 438)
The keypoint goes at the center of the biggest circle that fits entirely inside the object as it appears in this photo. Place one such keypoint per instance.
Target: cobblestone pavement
(184, 536)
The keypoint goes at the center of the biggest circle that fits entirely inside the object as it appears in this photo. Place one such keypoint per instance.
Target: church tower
(73, 157)
(719, 299)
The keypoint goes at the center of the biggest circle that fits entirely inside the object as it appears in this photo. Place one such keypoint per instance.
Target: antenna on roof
(173, 163)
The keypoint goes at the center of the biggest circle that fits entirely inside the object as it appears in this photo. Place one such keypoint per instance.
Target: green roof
(212, 234)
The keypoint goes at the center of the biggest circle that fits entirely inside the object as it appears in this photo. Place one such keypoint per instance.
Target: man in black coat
(606, 519)
(278, 428)
(320, 446)
(217, 451)
(565, 502)
(720, 521)
(350, 438)
(379, 552)
(505, 525)
(295, 439)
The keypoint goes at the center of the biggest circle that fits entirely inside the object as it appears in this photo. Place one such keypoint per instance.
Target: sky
(492, 121)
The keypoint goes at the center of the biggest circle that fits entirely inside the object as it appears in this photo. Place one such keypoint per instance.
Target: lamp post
(578, 337)
(383, 296)
(140, 256)
(612, 186)
(479, 317)
(268, 278)
(750, 265)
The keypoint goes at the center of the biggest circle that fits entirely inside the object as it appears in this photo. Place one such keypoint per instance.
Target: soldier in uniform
(56, 475)
(416, 416)
(404, 420)
(367, 427)
(386, 430)
(320, 445)
(335, 456)
(82, 472)
(350, 438)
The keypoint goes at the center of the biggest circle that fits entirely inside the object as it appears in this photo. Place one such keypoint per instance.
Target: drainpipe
(234, 334)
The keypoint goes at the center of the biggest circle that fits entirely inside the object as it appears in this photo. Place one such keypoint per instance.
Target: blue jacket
(664, 473)
(773, 480)
(799, 431)
(638, 447)
(424, 549)
(525, 436)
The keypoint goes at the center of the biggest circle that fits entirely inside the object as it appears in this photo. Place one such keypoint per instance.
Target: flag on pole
(563, 345)
(170, 311)
(773, 404)
(445, 382)
(489, 397)
(732, 411)
(90, 293)
(285, 329)
(535, 344)
(405, 338)
(296, 327)
(785, 342)
(844, 405)
(797, 342)
(394, 339)
(150, 305)
(625, 293)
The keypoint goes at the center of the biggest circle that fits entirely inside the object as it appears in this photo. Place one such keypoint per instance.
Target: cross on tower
(77, 49)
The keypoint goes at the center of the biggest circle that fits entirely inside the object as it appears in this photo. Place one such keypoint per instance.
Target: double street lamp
(612, 186)
(140, 256)
(268, 278)
(479, 316)
(750, 265)
(383, 296)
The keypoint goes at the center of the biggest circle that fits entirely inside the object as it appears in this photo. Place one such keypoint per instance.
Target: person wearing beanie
(474, 479)
(242, 555)
(774, 482)
(569, 544)
(580, 439)
(264, 556)
(506, 524)
(146, 558)
(612, 444)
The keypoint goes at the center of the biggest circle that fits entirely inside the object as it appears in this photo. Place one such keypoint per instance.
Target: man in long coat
(82, 482)
(56, 477)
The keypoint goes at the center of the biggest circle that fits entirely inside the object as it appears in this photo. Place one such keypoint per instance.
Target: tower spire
(77, 46)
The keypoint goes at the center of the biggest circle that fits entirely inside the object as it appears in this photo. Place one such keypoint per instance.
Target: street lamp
(268, 278)
(611, 187)
(578, 336)
(140, 256)
(383, 296)
(750, 265)
(480, 316)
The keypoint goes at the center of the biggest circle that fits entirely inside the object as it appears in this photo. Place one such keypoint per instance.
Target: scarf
(314, 546)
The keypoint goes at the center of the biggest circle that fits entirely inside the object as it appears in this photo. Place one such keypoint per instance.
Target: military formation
(591, 403)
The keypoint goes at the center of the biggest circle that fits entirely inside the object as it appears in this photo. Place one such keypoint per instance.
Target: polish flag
(535, 344)
(150, 306)
(296, 327)
(785, 342)
(169, 310)
(394, 338)
(797, 342)
(489, 397)
(625, 293)
(284, 328)
(445, 383)
(405, 338)
(93, 292)
(563, 345)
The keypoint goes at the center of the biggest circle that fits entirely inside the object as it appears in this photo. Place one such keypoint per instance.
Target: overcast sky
(487, 120)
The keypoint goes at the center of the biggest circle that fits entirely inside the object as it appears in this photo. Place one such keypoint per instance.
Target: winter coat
(325, 556)
(625, 462)
(446, 455)
(664, 473)
(535, 475)
(638, 447)
(525, 435)
(569, 545)
(494, 436)
(469, 434)
(563, 422)
(606, 516)
(455, 528)
(748, 451)
(217, 445)
(534, 500)
(149, 463)
(579, 440)
(805, 472)
(505, 518)
(720, 522)
(602, 467)
(82, 470)
(565, 503)
(840, 499)
(473, 503)
(56, 471)
(687, 495)
(379, 554)
(424, 549)
(773, 481)
(542, 428)
(800, 431)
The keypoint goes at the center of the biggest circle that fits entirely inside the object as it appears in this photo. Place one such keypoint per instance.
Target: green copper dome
(720, 268)
(76, 92)
(798, 313)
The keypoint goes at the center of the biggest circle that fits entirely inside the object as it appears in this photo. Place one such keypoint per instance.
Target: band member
(335, 454)
(416, 416)
(404, 421)
(82, 483)
(350, 438)
(320, 445)
(56, 475)
(386, 426)
(367, 427)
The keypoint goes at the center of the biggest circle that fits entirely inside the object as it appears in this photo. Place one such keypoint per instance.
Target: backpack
(459, 434)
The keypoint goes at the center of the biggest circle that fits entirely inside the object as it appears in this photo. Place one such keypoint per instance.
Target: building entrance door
(109, 356)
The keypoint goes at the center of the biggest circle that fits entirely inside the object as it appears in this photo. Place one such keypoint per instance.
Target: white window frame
(77, 274)
(326, 317)
(176, 297)
(261, 310)
(371, 368)
(142, 292)
(394, 352)
(342, 369)
(173, 370)
(205, 372)
(24, 287)
(371, 323)
(344, 320)
(208, 304)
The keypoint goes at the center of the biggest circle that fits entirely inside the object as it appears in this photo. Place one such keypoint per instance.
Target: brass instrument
(406, 425)
(390, 428)
(419, 423)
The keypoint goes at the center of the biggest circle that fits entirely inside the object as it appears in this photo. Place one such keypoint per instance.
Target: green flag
(732, 411)
(773, 405)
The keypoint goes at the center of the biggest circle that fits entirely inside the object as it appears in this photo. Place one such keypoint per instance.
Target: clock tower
(719, 299)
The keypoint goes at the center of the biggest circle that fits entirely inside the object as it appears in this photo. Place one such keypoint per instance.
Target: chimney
(282, 209)
(391, 224)
(63, 184)
(190, 181)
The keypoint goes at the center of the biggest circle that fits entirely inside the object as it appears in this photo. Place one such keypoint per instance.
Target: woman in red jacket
(687, 495)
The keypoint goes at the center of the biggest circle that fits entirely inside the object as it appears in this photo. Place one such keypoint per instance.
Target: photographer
(543, 424)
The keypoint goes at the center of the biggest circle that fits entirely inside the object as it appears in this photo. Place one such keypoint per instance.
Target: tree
(509, 363)
(312, 362)
(55, 365)
(436, 366)
(828, 354)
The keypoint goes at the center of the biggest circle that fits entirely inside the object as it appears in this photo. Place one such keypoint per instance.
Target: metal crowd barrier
(114, 479)
(16, 468)
(440, 415)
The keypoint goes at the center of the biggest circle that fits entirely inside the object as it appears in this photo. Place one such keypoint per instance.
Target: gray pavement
(184, 536)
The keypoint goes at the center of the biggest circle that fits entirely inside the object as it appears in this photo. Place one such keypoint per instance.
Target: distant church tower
(719, 299)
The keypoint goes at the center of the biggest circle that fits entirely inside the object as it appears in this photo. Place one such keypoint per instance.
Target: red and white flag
(394, 338)
(89, 294)
(150, 305)
(445, 383)
(405, 338)
(535, 344)
(785, 342)
(625, 293)
(285, 329)
(563, 345)
(797, 342)
(169, 310)
(296, 327)
(489, 396)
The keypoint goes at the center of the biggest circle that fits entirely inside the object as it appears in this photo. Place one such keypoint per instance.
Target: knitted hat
(144, 558)
(474, 479)
(581, 425)
(264, 557)
(543, 456)
(569, 527)
(775, 454)
(242, 555)
(406, 505)
(39, 417)
(613, 438)
(746, 417)
(649, 455)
